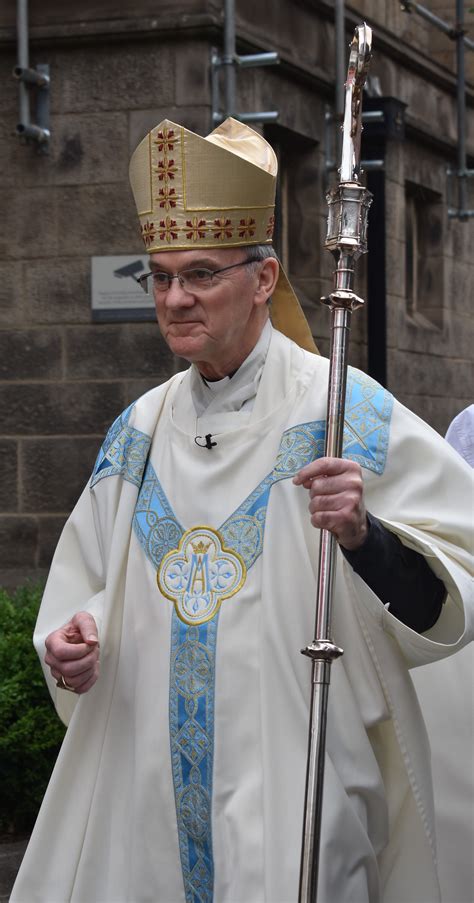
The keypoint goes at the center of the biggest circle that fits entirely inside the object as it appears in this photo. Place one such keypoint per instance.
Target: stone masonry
(115, 74)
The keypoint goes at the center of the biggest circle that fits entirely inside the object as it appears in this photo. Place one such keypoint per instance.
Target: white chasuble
(181, 777)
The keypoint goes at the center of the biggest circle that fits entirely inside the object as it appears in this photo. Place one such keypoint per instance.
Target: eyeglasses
(196, 279)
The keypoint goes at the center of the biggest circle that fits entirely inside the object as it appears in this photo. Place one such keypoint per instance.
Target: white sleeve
(75, 583)
(425, 498)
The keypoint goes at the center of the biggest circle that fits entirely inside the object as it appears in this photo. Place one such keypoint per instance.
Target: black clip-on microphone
(208, 444)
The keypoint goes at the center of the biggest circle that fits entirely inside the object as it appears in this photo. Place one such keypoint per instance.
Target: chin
(185, 346)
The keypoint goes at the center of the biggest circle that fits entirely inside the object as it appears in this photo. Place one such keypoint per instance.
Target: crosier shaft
(346, 239)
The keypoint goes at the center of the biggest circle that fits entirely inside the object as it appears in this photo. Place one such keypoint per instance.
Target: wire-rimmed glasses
(194, 279)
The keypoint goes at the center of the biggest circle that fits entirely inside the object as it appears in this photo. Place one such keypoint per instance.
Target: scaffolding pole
(456, 33)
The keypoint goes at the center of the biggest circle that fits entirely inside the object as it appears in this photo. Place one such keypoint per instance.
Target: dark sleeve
(399, 576)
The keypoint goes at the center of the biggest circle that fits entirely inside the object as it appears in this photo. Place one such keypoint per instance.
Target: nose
(177, 296)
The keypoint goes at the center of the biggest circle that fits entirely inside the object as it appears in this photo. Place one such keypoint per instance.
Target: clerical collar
(215, 385)
(231, 394)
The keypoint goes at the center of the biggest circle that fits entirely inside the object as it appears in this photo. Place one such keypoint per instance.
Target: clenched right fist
(73, 653)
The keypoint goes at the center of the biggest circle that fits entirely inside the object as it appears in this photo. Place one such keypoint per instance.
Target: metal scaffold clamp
(37, 78)
(30, 79)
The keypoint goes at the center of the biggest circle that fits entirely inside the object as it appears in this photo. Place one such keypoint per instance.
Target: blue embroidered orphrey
(191, 714)
(124, 452)
(197, 569)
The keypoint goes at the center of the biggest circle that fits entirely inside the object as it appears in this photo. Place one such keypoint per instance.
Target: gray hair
(258, 253)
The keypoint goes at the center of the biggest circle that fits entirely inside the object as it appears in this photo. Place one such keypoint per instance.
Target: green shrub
(30, 731)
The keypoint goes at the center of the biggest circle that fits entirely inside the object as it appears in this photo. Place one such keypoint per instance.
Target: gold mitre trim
(213, 192)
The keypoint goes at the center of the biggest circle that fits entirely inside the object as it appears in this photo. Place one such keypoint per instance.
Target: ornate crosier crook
(347, 240)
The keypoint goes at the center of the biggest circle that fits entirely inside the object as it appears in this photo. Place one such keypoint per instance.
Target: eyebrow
(201, 262)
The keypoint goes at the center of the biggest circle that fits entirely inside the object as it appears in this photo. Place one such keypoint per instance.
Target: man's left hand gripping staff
(73, 653)
(336, 491)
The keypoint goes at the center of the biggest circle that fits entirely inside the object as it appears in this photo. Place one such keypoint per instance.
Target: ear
(267, 279)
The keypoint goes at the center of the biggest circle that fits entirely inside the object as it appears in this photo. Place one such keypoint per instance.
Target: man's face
(215, 328)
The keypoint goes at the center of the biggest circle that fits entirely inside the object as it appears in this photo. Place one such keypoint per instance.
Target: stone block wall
(115, 73)
(64, 379)
(430, 364)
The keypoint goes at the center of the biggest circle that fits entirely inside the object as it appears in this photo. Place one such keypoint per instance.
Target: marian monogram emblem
(200, 574)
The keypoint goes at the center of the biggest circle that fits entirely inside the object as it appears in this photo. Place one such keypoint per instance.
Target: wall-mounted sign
(115, 292)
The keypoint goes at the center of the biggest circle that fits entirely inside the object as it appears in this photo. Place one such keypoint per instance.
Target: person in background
(446, 694)
(460, 434)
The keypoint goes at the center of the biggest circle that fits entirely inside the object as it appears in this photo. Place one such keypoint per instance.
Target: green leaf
(30, 731)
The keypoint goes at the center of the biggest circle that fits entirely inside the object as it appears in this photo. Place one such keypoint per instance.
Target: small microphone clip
(208, 444)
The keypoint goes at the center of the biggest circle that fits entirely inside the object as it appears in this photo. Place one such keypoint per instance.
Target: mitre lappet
(213, 192)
